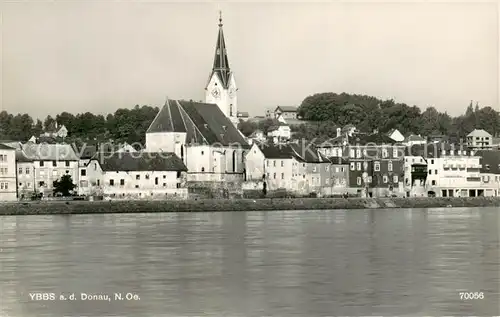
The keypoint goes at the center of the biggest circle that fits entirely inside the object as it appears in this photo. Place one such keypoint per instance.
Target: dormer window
(205, 125)
(224, 127)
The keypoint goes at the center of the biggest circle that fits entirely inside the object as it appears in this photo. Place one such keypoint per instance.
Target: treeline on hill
(323, 111)
(327, 111)
(125, 125)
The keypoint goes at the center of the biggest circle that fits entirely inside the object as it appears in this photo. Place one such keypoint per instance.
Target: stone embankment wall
(87, 207)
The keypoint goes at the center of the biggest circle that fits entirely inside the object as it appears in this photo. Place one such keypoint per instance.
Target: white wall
(8, 186)
(49, 173)
(164, 141)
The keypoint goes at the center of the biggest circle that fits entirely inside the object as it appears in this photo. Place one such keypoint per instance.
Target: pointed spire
(221, 63)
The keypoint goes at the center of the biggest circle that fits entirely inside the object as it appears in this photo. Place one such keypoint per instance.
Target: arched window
(234, 161)
(182, 151)
(202, 169)
(231, 110)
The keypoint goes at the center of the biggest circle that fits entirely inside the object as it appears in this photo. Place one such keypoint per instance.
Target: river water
(300, 263)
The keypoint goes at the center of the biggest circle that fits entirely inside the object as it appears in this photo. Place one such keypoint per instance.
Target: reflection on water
(384, 262)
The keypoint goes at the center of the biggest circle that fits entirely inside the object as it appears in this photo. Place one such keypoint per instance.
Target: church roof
(221, 61)
(203, 123)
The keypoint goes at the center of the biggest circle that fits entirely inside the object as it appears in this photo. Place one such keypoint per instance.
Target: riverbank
(88, 207)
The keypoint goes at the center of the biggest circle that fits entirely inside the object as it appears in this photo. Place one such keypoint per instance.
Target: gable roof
(479, 133)
(132, 162)
(376, 138)
(203, 123)
(287, 108)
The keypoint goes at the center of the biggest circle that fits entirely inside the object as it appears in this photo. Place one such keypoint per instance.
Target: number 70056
(471, 295)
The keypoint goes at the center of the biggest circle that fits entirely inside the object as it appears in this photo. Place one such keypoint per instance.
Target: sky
(99, 56)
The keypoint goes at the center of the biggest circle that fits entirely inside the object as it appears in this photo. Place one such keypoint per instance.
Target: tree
(64, 186)
(247, 127)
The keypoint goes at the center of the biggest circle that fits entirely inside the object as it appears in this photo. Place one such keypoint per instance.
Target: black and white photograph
(249, 158)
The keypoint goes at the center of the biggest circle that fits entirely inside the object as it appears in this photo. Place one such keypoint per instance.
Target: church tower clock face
(216, 92)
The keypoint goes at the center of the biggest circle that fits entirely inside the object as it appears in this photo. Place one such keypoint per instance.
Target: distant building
(413, 139)
(287, 112)
(479, 139)
(56, 132)
(243, 116)
(396, 135)
(8, 189)
(490, 172)
(279, 132)
(415, 171)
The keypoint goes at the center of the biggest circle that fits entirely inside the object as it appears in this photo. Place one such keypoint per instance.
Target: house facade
(338, 180)
(479, 139)
(125, 175)
(48, 163)
(415, 172)
(453, 172)
(286, 112)
(8, 188)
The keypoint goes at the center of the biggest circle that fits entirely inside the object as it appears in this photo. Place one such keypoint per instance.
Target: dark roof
(337, 160)
(86, 151)
(376, 138)
(125, 161)
(302, 151)
(21, 157)
(203, 123)
(221, 62)
(490, 161)
(5, 147)
(332, 142)
(287, 108)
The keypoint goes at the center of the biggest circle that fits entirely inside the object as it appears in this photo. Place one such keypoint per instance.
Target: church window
(231, 110)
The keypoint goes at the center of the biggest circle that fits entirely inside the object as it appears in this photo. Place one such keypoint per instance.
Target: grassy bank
(86, 207)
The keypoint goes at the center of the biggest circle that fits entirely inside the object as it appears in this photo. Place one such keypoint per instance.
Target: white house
(8, 190)
(46, 163)
(208, 143)
(256, 136)
(60, 132)
(413, 139)
(415, 171)
(126, 175)
(479, 139)
(396, 135)
(279, 132)
(453, 172)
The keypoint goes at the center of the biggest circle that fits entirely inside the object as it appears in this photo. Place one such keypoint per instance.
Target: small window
(165, 176)
(430, 172)
(67, 163)
(41, 163)
(122, 182)
(20, 170)
(282, 175)
(282, 163)
(164, 184)
(327, 168)
(83, 172)
(98, 182)
(274, 175)
(358, 166)
(136, 186)
(385, 179)
(156, 180)
(137, 177)
(389, 166)
(202, 169)
(376, 166)
(274, 163)
(41, 184)
(54, 163)
(395, 178)
(111, 182)
(202, 152)
(358, 180)
(433, 182)
(147, 176)
(27, 171)
(353, 166)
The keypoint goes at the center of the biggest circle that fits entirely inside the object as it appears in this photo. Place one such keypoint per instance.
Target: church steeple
(221, 63)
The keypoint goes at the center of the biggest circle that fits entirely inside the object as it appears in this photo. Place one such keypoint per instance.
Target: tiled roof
(125, 162)
(49, 152)
(490, 161)
(21, 157)
(85, 152)
(287, 108)
(203, 123)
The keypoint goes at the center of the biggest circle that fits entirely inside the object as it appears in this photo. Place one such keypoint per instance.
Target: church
(204, 135)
